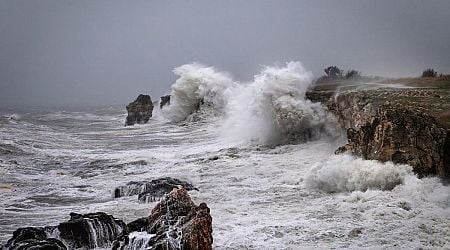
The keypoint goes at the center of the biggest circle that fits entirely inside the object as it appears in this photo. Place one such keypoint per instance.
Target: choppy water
(283, 196)
(53, 163)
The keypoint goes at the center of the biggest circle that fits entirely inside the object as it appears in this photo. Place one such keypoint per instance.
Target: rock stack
(175, 223)
(165, 100)
(139, 111)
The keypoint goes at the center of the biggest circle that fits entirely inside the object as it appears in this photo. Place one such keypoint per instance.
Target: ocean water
(260, 154)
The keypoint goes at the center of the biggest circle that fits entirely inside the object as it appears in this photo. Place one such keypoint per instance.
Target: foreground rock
(165, 100)
(86, 231)
(139, 111)
(389, 125)
(149, 191)
(175, 223)
(33, 238)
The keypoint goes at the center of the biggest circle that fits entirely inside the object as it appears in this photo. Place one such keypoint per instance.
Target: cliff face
(384, 125)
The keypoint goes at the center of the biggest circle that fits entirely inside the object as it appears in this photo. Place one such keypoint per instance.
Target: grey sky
(84, 52)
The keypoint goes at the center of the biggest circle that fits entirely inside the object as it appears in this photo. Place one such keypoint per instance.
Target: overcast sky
(102, 52)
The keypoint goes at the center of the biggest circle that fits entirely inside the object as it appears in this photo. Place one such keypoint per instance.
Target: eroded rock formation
(165, 100)
(149, 191)
(33, 238)
(139, 111)
(85, 231)
(379, 128)
(175, 223)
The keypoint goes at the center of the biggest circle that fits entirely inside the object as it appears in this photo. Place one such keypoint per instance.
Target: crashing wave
(198, 88)
(273, 109)
(345, 173)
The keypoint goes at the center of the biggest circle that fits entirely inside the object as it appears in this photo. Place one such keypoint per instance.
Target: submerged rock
(165, 100)
(153, 190)
(140, 110)
(175, 223)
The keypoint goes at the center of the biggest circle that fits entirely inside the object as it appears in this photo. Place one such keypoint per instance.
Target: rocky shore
(402, 125)
(174, 223)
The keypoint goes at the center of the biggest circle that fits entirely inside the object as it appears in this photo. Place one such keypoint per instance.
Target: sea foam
(273, 109)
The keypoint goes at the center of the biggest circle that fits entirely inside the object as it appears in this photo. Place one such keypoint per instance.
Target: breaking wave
(198, 89)
(273, 109)
(270, 110)
(345, 173)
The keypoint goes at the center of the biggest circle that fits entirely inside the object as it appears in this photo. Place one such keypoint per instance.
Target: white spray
(197, 87)
(273, 109)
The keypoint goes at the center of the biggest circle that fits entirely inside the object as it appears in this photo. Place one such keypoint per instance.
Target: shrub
(429, 73)
(333, 72)
(352, 74)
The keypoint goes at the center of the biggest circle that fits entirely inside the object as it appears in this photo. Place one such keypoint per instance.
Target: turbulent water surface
(261, 156)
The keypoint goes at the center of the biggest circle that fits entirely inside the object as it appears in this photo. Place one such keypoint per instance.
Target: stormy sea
(260, 155)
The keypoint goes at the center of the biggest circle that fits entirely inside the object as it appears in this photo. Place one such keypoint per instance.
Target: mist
(90, 53)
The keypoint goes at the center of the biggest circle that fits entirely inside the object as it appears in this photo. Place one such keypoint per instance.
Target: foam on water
(139, 240)
(347, 173)
(280, 197)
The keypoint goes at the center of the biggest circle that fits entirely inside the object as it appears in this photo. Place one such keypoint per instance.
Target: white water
(273, 109)
(196, 84)
(261, 196)
(139, 240)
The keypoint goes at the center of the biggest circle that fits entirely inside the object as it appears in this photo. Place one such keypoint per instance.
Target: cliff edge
(399, 121)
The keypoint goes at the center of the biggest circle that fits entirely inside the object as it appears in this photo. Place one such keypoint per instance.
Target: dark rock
(165, 100)
(140, 110)
(90, 230)
(33, 238)
(355, 232)
(176, 223)
(153, 190)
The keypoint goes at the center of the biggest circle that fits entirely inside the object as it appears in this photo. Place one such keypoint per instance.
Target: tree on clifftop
(333, 72)
(429, 73)
(352, 74)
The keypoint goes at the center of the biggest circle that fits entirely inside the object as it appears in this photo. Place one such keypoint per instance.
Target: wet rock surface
(33, 238)
(139, 111)
(175, 223)
(85, 231)
(165, 100)
(90, 230)
(381, 129)
(149, 191)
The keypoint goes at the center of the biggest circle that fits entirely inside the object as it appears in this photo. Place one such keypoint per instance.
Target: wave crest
(198, 88)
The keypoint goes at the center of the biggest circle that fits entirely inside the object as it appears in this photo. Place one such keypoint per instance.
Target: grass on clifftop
(430, 95)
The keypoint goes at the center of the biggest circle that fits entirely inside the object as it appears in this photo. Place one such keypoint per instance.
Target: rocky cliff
(140, 110)
(401, 125)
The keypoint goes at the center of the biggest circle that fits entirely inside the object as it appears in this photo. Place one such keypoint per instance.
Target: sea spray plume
(344, 173)
(197, 88)
(273, 109)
